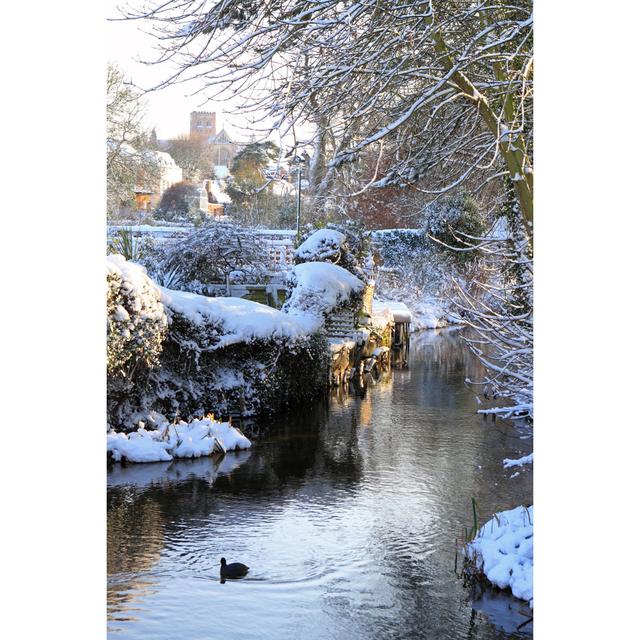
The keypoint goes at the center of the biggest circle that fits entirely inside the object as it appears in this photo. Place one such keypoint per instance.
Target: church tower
(203, 125)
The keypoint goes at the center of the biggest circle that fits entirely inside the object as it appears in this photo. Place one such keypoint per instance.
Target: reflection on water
(347, 516)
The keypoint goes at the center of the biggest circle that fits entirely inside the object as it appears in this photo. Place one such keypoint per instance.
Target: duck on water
(233, 570)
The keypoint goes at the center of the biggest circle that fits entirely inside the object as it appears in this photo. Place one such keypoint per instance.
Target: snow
(238, 320)
(221, 171)
(507, 463)
(320, 245)
(320, 287)
(140, 288)
(152, 229)
(338, 344)
(503, 550)
(398, 310)
(182, 440)
(220, 196)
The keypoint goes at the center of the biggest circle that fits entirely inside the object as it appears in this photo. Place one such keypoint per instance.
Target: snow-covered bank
(503, 551)
(182, 440)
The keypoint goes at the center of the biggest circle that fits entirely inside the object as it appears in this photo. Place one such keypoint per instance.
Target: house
(148, 196)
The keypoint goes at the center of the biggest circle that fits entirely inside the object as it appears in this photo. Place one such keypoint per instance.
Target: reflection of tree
(135, 540)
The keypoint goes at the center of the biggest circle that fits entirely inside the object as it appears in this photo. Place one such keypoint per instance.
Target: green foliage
(136, 248)
(125, 244)
(248, 170)
(454, 222)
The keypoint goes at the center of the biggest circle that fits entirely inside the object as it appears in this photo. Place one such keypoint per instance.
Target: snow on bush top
(322, 245)
(503, 550)
(236, 320)
(136, 318)
(320, 287)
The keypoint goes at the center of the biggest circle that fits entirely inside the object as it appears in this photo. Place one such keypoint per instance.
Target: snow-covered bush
(136, 319)
(136, 330)
(455, 221)
(503, 551)
(232, 355)
(186, 355)
(323, 245)
(180, 440)
(215, 253)
(317, 288)
(344, 244)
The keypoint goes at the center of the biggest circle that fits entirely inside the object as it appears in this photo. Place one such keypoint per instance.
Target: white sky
(167, 109)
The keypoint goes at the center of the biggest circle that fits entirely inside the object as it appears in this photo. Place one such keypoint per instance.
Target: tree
(252, 187)
(181, 200)
(439, 91)
(131, 161)
(192, 156)
(443, 87)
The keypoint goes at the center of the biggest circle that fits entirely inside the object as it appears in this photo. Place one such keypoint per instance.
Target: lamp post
(298, 203)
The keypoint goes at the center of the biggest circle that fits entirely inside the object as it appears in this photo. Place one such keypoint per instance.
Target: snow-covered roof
(165, 159)
(400, 311)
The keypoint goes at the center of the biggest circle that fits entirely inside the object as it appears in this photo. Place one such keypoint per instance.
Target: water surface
(346, 514)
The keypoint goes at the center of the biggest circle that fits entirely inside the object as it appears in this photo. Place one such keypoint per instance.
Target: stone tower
(203, 125)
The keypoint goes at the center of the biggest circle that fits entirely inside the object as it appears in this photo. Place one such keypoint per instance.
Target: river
(346, 513)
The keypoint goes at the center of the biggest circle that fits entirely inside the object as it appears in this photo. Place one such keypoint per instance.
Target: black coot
(233, 570)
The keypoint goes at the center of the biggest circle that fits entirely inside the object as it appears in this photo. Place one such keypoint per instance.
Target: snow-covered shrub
(318, 288)
(180, 440)
(503, 551)
(455, 221)
(323, 245)
(136, 319)
(233, 355)
(344, 244)
(136, 330)
(215, 253)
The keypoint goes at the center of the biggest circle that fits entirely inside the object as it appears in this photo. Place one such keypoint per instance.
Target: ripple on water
(346, 515)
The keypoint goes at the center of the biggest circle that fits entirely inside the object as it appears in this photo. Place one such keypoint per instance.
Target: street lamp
(298, 203)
